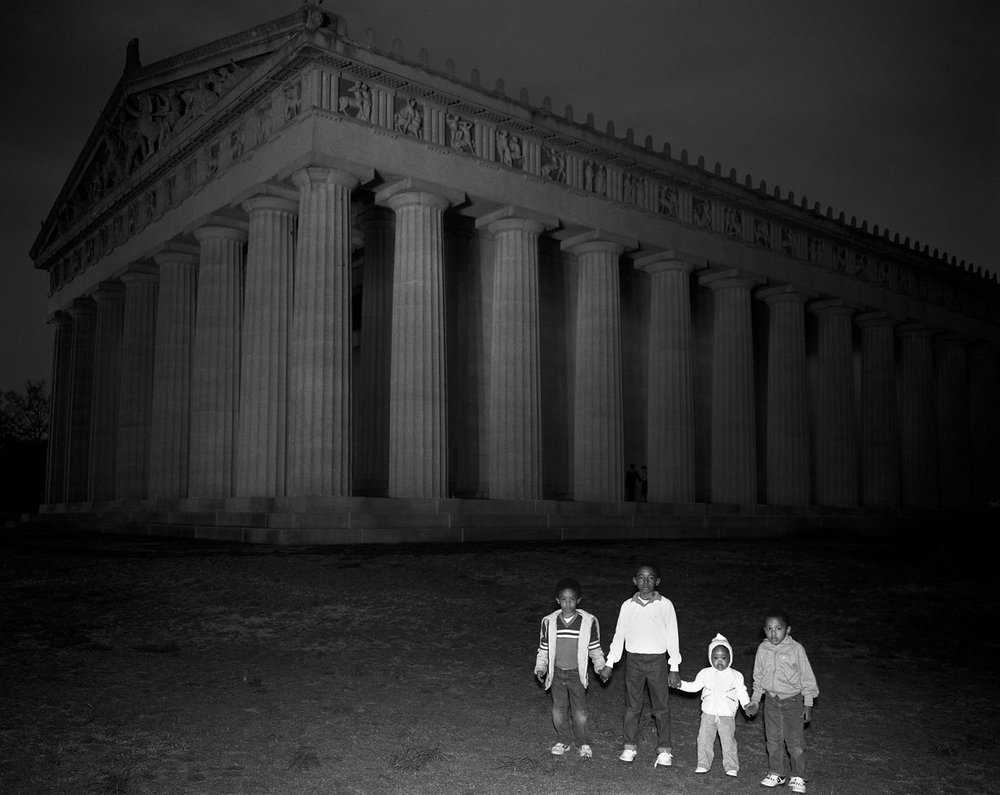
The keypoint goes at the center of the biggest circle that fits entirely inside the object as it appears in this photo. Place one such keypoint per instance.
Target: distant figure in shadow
(643, 484)
(631, 479)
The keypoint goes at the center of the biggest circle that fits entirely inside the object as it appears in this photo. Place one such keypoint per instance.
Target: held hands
(605, 673)
(540, 675)
(674, 679)
(751, 709)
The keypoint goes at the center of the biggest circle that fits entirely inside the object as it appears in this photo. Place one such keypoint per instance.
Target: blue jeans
(569, 697)
(641, 671)
(783, 729)
(725, 725)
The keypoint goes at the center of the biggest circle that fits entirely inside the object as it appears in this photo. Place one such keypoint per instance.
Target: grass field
(137, 665)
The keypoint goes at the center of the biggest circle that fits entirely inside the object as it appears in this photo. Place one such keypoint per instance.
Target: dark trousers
(783, 730)
(569, 699)
(642, 671)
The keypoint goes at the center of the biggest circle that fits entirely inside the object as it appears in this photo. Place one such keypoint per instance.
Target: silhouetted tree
(24, 431)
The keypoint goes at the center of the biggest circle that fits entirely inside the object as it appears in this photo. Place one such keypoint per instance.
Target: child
(782, 671)
(647, 630)
(568, 636)
(722, 692)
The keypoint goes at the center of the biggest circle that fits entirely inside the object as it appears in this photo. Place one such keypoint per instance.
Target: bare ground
(137, 665)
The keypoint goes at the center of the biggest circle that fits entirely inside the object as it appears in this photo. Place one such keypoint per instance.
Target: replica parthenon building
(307, 289)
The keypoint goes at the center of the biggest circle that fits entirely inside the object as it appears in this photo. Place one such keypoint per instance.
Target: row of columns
(208, 376)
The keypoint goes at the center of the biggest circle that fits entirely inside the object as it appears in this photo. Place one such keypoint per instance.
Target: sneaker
(772, 780)
(663, 759)
(627, 755)
(731, 773)
(560, 748)
(701, 770)
(796, 784)
(585, 752)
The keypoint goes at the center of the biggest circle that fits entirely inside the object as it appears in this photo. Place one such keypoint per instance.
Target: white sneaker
(772, 780)
(627, 755)
(560, 748)
(796, 784)
(701, 770)
(663, 759)
(731, 773)
(586, 752)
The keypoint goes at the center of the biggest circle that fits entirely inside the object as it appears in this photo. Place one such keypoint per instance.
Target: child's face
(568, 600)
(720, 658)
(775, 630)
(646, 581)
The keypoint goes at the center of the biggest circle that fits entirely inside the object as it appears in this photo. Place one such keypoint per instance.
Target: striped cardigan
(546, 657)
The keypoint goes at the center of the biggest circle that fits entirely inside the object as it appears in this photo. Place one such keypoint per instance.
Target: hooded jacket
(546, 657)
(722, 692)
(783, 670)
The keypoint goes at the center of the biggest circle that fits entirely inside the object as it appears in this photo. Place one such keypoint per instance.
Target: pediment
(154, 109)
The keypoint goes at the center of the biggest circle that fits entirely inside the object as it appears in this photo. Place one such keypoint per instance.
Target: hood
(720, 640)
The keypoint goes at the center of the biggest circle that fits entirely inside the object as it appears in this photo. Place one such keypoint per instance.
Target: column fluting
(733, 444)
(917, 420)
(879, 420)
(319, 430)
(670, 393)
(263, 396)
(62, 359)
(171, 430)
(836, 425)
(81, 394)
(110, 300)
(215, 370)
(787, 411)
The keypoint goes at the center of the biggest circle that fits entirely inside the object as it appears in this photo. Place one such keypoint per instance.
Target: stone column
(670, 392)
(836, 429)
(135, 424)
(953, 407)
(787, 411)
(598, 452)
(371, 448)
(984, 384)
(879, 423)
(267, 295)
(515, 451)
(418, 434)
(110, 299)
(171, 428)
(319, 415)
(734, 445)
(917, 421)
(62, 349)
(81, 394)
(215, 372)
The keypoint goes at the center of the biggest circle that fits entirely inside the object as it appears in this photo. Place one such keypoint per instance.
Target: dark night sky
(885, 109)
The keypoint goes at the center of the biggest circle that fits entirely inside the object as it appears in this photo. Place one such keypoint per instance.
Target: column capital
(733, 277)
(832, 306)
(874, 320)
(268, 201)
(598, 240)
(109, 291)
(140, 272)
(58, 318)
(950, 339)
(516, 218)
(784, 293)
(262, 189)
(375, 217)
(416, 191)
(325, 175)
(82, 307)
(669, 260)
(311, 167)
(187, 256)
(910, 330)
(237, 232)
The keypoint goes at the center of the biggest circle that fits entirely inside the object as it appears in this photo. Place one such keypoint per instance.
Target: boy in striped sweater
(569, 636)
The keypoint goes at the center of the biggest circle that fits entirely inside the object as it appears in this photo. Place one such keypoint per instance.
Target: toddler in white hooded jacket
(723, 691)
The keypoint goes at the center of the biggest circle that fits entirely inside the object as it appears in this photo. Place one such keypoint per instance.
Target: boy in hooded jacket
(568, 637)
(723, 691)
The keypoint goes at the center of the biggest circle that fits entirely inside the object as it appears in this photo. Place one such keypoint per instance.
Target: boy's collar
(639, 600)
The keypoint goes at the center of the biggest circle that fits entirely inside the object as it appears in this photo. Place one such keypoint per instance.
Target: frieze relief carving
(509, 149)
(460, 133)
(358, 102)
(554, 164)
(409, 118)
(732, 220)
(668, 201)
(702, 212)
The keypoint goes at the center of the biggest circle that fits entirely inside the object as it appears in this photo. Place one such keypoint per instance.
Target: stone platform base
(360, 520)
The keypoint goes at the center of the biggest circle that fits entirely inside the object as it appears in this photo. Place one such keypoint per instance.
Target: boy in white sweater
(647, 630)
(723, 691)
